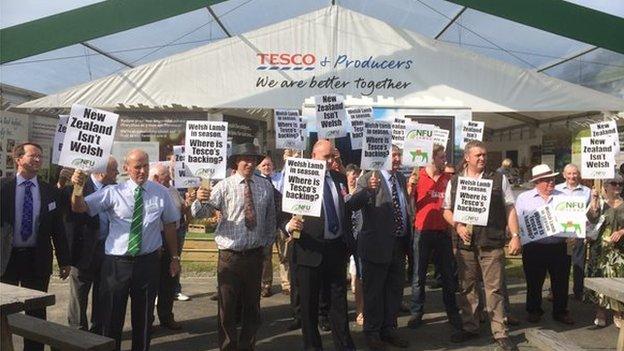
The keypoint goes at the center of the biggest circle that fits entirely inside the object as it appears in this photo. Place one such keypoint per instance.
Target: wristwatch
(177, 258)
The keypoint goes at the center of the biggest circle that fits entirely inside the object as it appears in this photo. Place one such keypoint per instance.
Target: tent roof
(224, 74)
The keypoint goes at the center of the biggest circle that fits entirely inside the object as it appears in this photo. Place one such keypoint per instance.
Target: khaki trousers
(283, 251)
(490, 264)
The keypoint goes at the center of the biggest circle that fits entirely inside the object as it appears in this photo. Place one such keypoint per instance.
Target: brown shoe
(564, 318)
(266, 292)
(286, 292)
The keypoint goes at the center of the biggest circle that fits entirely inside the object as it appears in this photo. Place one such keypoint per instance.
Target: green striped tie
(134, 242)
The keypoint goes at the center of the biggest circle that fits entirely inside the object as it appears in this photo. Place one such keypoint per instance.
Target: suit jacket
(375, 241)
(48, 228)
(82, 230)
(311, 247)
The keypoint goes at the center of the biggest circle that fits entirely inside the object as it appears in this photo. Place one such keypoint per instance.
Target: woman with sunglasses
(606, 252)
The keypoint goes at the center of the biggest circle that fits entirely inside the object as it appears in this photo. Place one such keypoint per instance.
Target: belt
(23, 249)
(244, 252)
(134, 258)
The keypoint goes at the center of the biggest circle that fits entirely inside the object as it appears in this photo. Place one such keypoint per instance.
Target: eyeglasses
(615, 183)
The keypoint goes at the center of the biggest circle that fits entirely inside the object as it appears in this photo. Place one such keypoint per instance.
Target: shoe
(395, 340)
(534, 317)
(374, 343)
(324, 324)
(295, 324)
(286, 292)
(564, 318)
(618, 320)
(359, 320)
(415, 321)
(214, 297)
(512, 321)
(266, 292)
(600, 322)
(404, 308)
(456, 321)
(505, 344)
(181, 297)
(463, 335)
(171, 325)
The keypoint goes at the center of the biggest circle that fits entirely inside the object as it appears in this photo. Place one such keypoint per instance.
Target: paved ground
(198, 318)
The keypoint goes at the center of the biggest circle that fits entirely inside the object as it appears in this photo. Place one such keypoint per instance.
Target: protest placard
(331, 117)
(303, 186)
(606, 129)
(570, 214)
(537, 224)
(440, 137)
(472, 201)
(206, 149)
(88, 138)
(180, 178)
(377, 145)
(357, 117)
(418, 145)
(471, 130)
(597, 158)
(59, 136)
(398, 131)
(288, 134)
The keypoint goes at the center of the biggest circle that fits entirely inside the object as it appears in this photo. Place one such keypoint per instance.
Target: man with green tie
(138, 210)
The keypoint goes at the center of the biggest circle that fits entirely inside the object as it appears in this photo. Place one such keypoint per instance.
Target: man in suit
(321, 254)
(31, 219)
(382, 243)
(88, 235)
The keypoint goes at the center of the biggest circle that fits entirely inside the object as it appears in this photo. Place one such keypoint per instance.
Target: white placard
(570, 213)
(59, 135)
(377, 145)
(606, 129)
(549, 160)
(440, 137)
(471, 130)
(206, 149)
(331, 117)
(472, 201)
(303, 186)
(180, 179)
(597, 158)
(89, 138)
(288, 134)
(398, 131)
(537, 224)
(418, 145)
(357, 117)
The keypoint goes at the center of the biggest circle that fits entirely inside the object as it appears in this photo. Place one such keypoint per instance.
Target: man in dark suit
(321, 254)
(30, 219)
(382, 243)
(87, 235)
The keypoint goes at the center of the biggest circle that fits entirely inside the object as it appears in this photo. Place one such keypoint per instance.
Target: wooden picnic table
(613, 288)
(15, 299)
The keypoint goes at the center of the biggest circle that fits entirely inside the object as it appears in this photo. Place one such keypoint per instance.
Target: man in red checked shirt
(432, 239)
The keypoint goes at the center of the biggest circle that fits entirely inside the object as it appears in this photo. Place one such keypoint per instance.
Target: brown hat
(245, 149)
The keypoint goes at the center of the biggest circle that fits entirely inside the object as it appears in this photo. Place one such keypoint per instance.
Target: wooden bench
(56, 335)
(549, 340)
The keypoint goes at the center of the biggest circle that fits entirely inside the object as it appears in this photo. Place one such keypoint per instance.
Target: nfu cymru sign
(418, 145)
(570, 215)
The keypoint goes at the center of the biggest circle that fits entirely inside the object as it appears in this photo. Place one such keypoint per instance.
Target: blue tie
(330, 209)
(27, 211)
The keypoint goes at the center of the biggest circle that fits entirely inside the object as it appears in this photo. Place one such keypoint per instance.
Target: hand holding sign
(78, 179)
(295, 226)
(64, 176)
(203, 194)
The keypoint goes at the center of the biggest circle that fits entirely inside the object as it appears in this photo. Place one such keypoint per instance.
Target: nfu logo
(82, 163)
(301, 208)
(571, 206)
(205, 173)
(284, 62)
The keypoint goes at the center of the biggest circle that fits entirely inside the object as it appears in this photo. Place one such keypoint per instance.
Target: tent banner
(206, 149)
(597, 158)
(89, 138)
(180, 178)
(357, 117)
(418, 145)
(303, 186)
(537, 224)
(471, 130)
(331, 116)
(288, 133)
(59, 135)
(472, 201)
(377, 145)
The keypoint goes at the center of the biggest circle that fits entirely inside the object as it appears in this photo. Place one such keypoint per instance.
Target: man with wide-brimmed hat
(246, 226)
(544, 255)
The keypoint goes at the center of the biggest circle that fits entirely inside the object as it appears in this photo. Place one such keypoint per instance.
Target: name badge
(52, 206)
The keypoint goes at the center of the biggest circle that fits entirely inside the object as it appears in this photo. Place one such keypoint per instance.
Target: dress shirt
(578, 190)
(402, 200)
(506, 187)
(102, 217)
(328, 235)
(228, 196)
(118, 202)
(20, 191)
(531, 200)
(278, 181)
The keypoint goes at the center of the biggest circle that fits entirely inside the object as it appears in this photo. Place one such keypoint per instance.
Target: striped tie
(399, 228)
(134, 241)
